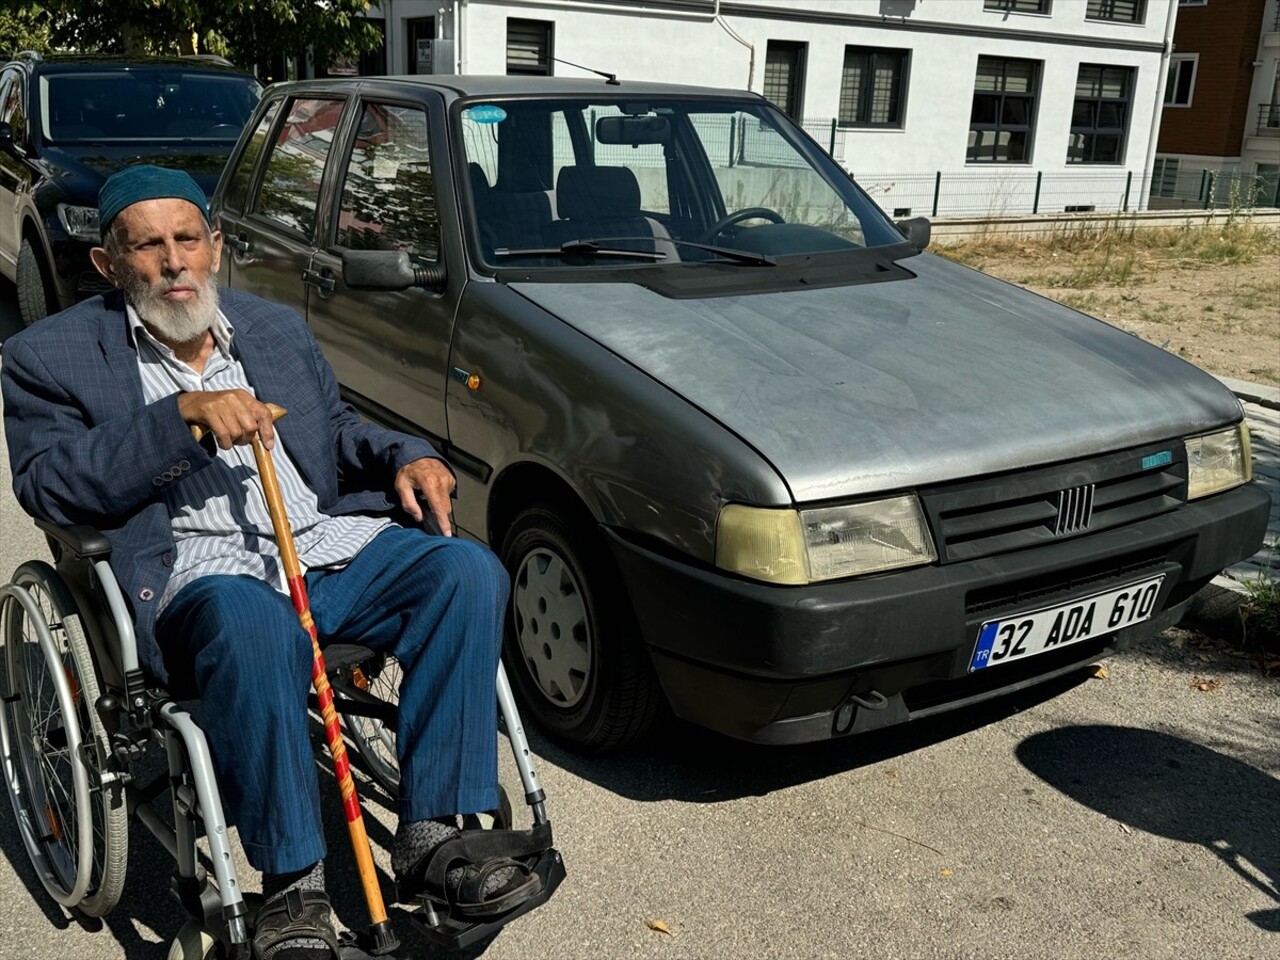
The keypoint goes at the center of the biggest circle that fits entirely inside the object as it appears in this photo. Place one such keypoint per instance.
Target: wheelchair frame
(103, 765)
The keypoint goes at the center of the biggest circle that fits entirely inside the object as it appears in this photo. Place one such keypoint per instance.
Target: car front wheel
(33, 288)
(571, 645)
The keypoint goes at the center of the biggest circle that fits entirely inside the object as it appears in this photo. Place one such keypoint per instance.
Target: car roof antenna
(609, 78)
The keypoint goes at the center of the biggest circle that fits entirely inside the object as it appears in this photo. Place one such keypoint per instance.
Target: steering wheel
(746, 213)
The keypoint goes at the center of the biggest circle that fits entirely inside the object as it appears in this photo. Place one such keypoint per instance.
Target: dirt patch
(1212, 296)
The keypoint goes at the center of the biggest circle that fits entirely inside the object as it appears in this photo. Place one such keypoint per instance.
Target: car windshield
(661, 178)
(145, 104)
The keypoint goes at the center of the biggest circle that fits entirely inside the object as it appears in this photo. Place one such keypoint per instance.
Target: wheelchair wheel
(51, 738)
(373, 739)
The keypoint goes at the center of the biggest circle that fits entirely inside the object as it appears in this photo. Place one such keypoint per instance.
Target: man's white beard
(175, 320)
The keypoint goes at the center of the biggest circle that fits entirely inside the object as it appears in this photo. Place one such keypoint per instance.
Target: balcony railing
(1268, 120)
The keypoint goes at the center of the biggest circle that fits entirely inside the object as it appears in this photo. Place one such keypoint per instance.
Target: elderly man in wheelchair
(170, 586)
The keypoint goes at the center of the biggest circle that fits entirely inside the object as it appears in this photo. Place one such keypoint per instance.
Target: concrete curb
(1258, 393)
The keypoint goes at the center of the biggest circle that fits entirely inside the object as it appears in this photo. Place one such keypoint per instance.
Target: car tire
(33, 286)
(571, 643)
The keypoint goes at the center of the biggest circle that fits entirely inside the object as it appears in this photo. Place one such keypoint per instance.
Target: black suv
(69, 122)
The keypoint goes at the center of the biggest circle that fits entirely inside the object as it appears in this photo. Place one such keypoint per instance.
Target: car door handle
(322, 280)
(240, 245)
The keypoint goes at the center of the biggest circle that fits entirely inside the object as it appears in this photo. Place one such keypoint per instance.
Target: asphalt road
(1133, 816)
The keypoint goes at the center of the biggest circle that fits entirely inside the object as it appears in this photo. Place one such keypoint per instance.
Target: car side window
(238, 189)
(291, 183)
(388, 199)
(12, 112)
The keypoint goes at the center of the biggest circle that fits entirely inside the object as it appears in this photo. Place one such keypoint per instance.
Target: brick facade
(1225, 34)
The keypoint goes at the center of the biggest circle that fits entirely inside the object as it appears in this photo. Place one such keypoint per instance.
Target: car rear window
(145, 104)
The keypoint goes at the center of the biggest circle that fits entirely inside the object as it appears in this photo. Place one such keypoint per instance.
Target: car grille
(997, 514)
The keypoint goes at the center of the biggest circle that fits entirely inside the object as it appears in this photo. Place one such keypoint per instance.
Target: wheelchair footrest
(433, 921)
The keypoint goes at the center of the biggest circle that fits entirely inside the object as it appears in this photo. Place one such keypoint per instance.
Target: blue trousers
(435, 603)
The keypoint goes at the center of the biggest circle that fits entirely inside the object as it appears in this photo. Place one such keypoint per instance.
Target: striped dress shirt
(219, 514)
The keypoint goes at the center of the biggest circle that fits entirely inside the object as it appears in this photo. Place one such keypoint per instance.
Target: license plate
(1040, 631)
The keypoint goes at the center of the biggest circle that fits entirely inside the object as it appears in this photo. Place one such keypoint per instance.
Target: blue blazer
(85, 448)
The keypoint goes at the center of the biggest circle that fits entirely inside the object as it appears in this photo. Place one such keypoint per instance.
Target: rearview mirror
(918, 230)
(633, 130)
(388, 270)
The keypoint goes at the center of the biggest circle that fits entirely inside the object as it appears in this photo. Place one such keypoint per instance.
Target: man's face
(165, 259)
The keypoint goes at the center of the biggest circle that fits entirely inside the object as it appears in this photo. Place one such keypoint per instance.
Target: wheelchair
(78, 714)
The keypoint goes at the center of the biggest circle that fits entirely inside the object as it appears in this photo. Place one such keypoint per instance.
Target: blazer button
(158, 481)
(184, 464)
(167, 559)
(146, 593)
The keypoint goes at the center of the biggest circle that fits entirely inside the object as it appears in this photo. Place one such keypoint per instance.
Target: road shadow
(694, 765)
(1173, 788)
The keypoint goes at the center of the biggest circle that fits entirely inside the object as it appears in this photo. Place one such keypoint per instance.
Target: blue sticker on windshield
(486, 113)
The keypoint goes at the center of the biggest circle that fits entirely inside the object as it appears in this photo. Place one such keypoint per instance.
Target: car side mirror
(917, 230)
(388, 270)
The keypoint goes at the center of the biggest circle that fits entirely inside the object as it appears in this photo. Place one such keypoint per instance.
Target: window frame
(1181, 58)
(1139, 19)
(866, 94)
(255, 171)
(1007, 7)
(546, 70)
(1033, 112)
(795, 89)
(1096, 130)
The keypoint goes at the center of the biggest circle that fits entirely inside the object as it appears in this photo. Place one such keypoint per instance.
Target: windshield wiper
(595, 248)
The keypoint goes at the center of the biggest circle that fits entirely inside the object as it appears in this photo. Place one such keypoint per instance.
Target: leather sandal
(295, 915)
(466, 898)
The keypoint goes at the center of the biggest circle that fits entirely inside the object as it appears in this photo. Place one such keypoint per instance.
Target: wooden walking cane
(381, 937)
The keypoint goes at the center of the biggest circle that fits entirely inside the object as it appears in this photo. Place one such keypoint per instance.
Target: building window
(1164, 177)
(871, 87)
(1100, 116)
(1004, 108)
(1181, 80)
(784, 76)
(1017, 6)
(1121, 11)
(529, 47)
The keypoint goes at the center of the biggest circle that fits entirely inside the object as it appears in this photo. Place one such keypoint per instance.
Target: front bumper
(776, 664)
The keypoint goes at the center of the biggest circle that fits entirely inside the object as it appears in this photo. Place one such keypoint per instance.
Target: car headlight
(80, 222)
(1218, 461)
(805, 546)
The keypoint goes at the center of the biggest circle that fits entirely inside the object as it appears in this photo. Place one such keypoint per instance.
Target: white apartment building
(936, 106)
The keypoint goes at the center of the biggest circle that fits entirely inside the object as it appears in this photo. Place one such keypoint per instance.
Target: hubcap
(551, 625)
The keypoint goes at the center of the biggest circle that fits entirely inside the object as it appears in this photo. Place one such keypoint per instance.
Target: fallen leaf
(1204, 658)
(1100, 672)
(1178, 642)
(895, 773)
(947, 873)
(660, 926)
(1205, 684)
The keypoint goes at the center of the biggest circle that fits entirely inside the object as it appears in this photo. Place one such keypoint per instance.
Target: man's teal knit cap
(146, 182)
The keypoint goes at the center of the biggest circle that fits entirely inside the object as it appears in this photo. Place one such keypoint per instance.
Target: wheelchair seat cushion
(301, 916)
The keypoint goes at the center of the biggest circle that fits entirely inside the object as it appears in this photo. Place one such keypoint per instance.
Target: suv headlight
(804, 546)
(1218, 461)
(80, 222)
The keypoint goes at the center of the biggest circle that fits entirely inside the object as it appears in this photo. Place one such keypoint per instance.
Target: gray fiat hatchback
(746, 450)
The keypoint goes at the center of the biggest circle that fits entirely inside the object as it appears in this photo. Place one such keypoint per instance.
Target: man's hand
(432, 480)
(232, 416)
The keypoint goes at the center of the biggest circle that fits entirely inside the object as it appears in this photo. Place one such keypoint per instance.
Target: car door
(13, 168)
(389, 349)
(269, 242)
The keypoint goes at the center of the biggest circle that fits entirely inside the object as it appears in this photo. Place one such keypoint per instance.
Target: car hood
(883, 386)
(81, 169)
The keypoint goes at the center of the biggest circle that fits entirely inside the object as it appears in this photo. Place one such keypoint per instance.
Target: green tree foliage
(245, 31)
(22, 29)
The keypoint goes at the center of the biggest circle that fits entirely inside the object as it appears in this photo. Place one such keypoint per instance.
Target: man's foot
(476, 890)
(296, 921)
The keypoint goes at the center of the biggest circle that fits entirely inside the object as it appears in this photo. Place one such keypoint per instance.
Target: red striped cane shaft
(337, 750)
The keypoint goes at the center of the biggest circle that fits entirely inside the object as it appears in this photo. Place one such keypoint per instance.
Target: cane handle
(198, 430)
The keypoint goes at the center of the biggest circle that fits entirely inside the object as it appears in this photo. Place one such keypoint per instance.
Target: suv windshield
(656, 178)
(145, 103)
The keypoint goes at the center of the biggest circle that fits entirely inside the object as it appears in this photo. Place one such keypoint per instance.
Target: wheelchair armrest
(84, 542)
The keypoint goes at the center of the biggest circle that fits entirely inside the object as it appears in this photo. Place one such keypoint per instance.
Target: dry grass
(1210, 294)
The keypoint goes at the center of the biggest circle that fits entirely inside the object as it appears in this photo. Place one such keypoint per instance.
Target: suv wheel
(571, 641)
(33, 285)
